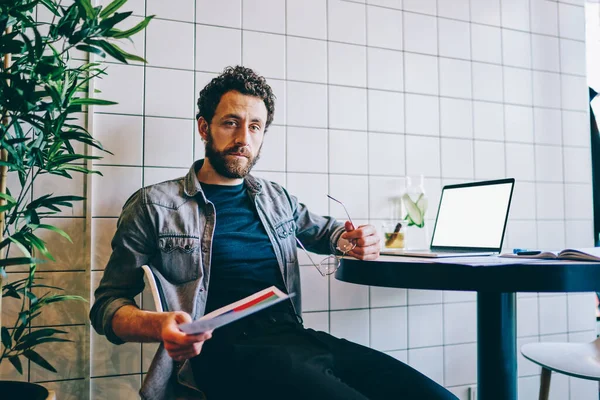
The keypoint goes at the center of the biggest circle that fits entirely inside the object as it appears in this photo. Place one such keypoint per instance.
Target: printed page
(234, 311)
(587, 254)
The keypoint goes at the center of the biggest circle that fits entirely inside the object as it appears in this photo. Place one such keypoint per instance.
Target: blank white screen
(472, 216)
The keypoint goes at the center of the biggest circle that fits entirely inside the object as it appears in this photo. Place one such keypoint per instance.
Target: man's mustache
(244, 151)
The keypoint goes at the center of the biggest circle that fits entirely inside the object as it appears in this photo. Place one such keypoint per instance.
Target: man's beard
(232, 167)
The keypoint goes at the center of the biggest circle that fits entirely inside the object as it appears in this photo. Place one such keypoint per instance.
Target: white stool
(581, 360)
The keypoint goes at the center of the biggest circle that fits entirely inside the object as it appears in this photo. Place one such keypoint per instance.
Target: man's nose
(243, 135)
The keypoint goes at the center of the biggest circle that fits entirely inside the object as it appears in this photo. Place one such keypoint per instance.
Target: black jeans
(272, 356)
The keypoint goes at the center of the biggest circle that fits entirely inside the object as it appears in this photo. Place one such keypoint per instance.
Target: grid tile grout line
(404, 51)
(564, 196)
(441, 158)
(405, 141)
(373, 6)
(504, 125)
(145, 69)
(525, 142)
(328, 105)
(523, 105)
(367, 94)
(143, 169)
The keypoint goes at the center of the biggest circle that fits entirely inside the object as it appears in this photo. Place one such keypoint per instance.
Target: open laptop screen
(473, 216)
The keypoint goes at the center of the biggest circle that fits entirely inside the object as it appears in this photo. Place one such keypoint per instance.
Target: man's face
(235, 135)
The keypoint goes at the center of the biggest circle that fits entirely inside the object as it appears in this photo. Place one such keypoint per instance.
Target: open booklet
(585, 254)
(234, 311)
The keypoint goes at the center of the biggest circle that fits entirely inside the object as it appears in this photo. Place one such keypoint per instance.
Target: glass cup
(394, 234)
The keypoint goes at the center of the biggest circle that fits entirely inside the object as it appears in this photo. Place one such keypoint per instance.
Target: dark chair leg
(545, 383)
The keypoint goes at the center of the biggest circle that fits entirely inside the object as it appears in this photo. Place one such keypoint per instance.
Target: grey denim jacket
(169, 226)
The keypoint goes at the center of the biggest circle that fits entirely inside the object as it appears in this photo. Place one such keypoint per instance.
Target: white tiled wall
(368, 92)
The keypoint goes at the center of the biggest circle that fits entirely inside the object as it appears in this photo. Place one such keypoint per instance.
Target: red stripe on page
(254, 302)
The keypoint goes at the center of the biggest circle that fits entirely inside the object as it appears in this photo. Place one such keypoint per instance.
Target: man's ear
(203, 128)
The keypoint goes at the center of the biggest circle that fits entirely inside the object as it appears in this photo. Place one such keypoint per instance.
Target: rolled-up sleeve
(133, 245)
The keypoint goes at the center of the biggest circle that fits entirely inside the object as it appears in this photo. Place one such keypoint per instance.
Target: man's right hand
(178, 344)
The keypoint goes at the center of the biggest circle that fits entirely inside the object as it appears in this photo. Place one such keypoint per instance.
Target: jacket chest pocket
(285, 232)
(179, 258)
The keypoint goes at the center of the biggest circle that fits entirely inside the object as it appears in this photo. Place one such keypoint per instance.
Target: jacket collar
(192, 187)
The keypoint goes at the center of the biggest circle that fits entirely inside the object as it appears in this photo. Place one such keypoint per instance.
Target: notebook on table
(471, 220)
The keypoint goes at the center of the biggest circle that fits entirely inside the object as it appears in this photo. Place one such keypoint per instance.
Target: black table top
(482, 274)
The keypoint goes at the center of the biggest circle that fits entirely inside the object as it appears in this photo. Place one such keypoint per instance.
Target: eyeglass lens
(329, 265)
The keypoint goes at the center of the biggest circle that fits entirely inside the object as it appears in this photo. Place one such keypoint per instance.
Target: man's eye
(230, 123)
(255, 128)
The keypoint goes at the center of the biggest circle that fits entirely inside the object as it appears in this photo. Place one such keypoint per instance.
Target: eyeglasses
(330, 264)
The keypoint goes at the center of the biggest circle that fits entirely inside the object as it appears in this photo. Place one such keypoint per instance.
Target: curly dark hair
(240, 79)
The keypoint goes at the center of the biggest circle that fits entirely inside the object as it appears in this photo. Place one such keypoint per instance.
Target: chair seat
(581, 360)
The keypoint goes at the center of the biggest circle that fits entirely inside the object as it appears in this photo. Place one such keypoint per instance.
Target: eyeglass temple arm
(347, 214)
(308, 255)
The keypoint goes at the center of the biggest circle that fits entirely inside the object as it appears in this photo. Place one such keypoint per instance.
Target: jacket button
(187, 247)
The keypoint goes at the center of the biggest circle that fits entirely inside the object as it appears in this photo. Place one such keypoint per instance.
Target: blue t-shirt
(243, 260)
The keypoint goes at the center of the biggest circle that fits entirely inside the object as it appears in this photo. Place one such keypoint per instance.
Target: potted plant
(42, 91)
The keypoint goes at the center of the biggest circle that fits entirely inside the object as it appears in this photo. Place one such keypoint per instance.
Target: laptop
(471, 220)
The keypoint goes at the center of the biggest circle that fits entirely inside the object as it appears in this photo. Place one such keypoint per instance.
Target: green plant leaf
(91, 49)
(69, 158)
(78, 168)
(16, 362)
(6, 207)
(133, 57)
(10, 292)
(11, 46)
(20, 329)
(33, 338)
(109, 23)
(50, 5)
(40, 245)
(53, 229)
(92, 101)
(87, 7)
(8, 198)
(110, 48)
(50, 202)
(16, 239)
(33, 299)
(38, 359)
(6, 340)
(57, 298)
(39, 44)
(30, 318)
(111, 8)
(130, 32)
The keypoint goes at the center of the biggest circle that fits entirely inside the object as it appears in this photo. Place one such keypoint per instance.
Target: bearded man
(221, 228)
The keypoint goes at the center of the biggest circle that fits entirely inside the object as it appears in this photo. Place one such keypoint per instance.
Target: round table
(496, 280)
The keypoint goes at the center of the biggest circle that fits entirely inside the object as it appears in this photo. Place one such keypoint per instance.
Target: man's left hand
(365, 238)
